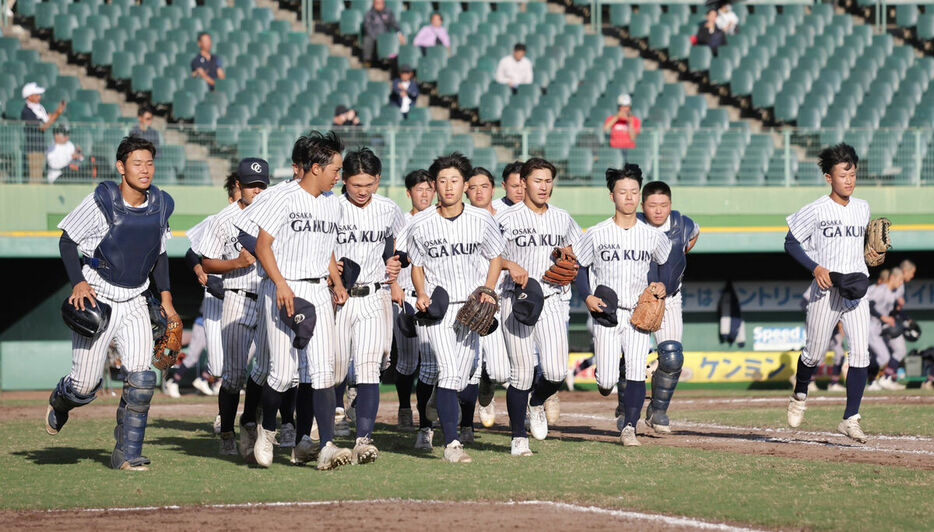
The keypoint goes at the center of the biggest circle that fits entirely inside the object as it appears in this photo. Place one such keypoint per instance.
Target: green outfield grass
(68, 471)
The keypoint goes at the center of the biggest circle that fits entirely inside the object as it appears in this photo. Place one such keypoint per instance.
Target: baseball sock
(446, 403)
(621, 385)
(227, 407)
(855, 385)
(339, 393)
(835, 371)
(803, 378)
(271, 401)
(404, 389)
(543, 390)
(634, 397)
(422, 394)
(324, 405)
(287, 408)
(516, 404)
(304, 410)
(251, 400)
(468, 401)
(367, 406)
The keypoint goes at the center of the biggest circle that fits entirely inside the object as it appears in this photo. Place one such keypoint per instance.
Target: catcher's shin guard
(131, 420)
(63, 399)
(664, 380)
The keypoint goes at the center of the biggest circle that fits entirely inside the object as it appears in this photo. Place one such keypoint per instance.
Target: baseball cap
(850, 285)
(607, 318)
(32, 88)
(302, 322)
(405, 321)
(60, 129)
(529, 302)
(253, 170)
(624, 100)
(406, 68)
(340, 109)
(350, 272)
(437, 309)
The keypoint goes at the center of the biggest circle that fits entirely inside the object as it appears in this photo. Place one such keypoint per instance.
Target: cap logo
(256, 167)
(523, 295)
(298, 318)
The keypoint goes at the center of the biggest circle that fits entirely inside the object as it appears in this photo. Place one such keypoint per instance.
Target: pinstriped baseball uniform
(897, 344)
(883, 301)
(241, 287)
(211, 307)
(304, 228)
(530, 239)
(446, 250)
(412, 352)
(620, 259)
(363, 325)
(832, 235)
(672, 328)
(129, 324)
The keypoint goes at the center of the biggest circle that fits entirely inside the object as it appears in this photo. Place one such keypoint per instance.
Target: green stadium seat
(700, 58)
(491, 107)
(351, 22)
(90, 97)
(331, 11)
(109, 112)
(183, 105)
(659, 37)
(620, 14)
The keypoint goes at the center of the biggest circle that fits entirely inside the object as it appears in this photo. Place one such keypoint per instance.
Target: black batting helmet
(88, 322)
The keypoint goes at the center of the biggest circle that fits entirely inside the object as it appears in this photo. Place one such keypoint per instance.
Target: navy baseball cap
(302, 322)
(437, 309)
(350, 272)
(253, 170)
(850, 285)
(528, 303)
(607, 318)
(215, 286)
(406, 320)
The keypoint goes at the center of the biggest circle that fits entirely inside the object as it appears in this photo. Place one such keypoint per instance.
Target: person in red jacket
(623, 126)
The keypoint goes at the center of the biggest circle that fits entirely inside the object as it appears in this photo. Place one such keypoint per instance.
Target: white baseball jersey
(220, 242)
(620, 258)
(500, 204)
(244, 221)
(362, 234)
(445, 248)
(196, 234)
(833, 234)
(883, 300)
(87, 227)
(304, 228)
(530, 238)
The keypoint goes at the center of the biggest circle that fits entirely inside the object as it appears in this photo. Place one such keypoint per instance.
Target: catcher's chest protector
(128, 252)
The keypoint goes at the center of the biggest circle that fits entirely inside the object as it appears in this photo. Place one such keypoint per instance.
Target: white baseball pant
(548, 337)
(607, 343)
(361, 337)
(238, 328)
(211, 310)
(455, 348)
(261, 356)
(825, 308)
(672, 322)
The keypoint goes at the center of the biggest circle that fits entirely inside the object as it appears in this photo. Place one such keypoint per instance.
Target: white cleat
(628, 437)
(836, 387)
(796, 408)
(217, 425)
(552, 409)
(927, 385)
(875, 386)
(851, 429)
(202, 386)
(171, 389)
(228, 444)
(888, 383)
(812, 387)
(287, 436)
(304, 451)
(262, 449)
(538, 422)
(488, 414)
(423, 439)
(454, 453)
(520, 447)
(332, 457)
(364, 452)
(247, 441)
(466, 435)
(216, 389)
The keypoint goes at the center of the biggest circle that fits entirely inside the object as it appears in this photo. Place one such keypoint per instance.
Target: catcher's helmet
(912, 331)
(88, 322)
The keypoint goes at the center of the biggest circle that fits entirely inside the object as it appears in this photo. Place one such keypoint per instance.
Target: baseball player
(120, 229)
(532, 230)
(419, 187)
(897, 344)
(442, 244)
(512, 185)
(223, 254)
(367, 222)
(619, 253)
(297, 235)
(827, 235)
(883, 298)
(493, 365)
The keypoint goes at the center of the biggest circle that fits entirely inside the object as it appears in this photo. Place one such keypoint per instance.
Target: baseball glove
(477, 314)
(877, 240)
(564, 269)
(165, 351)
(649, 311)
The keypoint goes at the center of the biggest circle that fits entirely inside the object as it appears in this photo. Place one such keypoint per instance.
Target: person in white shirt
(515, 69)
(727, 20)
(62, 157)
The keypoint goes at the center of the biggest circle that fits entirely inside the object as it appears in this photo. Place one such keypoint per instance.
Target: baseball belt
(244, 293)
(361, 290)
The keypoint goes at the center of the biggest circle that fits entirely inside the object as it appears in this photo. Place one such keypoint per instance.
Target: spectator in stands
(143, 127)
(63, 157)
(404, 90)
(37, 121)
(623, 126)
(727, 19)
(344, 116)
(434, 34)
(376, 21)
(709, 34)
(206, 65)
(515, 69)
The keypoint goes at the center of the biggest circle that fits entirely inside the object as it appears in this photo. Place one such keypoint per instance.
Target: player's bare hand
(340, 267)
(595, 304)
(888, 320)
(823, 277)
(285, 297)
(658, 289)
(339, 295)
(202, 277)
(246, 258)
(487, 298)
(393, 267)
(80, 292)
(422, 303)
(569, 251)
(169, 310)
(397, 294)
(519, 274)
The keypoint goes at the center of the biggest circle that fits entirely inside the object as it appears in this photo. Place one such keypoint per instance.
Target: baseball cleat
(850, 428)
(431, 410)
(875, 386)
(304, 451)
(628, 437)
(262, 448)
(520, 447)
(332, 457)
(486, 391)
(54, 421)
(202, 386)
(423, 439)
(836, 387)
(888, 383)
(488, 414)
(171, 389)
(552, 409)
(217, 425)
(657, 421)
(927, 385)
(228, 444)
(466, 435)
(405, 422)
(287, 436)
(216, 387)
(341, 425)
(796, 408)
(454, 453)
(364, 452)
(538, 422)
(247, 441)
